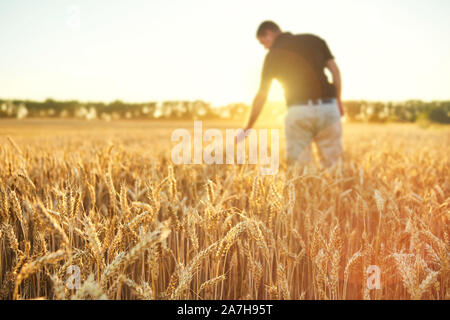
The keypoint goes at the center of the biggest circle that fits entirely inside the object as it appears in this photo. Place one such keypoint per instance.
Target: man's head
(267, 32)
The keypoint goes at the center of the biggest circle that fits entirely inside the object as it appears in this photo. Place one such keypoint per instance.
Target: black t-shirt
(298, 62)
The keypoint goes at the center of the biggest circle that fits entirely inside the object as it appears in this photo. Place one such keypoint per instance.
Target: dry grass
(105, 198)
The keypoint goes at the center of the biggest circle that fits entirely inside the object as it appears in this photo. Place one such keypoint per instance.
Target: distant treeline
(365, 111)
(117, 110)
(407, 111)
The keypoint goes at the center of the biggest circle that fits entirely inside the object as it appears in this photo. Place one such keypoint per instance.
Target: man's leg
(299, 135)
(329, 136)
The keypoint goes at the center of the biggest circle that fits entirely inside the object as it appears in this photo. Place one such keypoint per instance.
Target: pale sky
(154, 50)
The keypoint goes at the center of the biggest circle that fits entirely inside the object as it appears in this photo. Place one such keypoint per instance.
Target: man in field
(314, 104)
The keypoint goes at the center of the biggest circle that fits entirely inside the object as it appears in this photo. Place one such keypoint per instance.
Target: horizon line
(81, 101)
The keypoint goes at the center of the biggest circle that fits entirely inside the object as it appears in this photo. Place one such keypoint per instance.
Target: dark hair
(267, 25)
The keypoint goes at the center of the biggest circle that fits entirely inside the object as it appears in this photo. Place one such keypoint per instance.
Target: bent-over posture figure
(314, 104)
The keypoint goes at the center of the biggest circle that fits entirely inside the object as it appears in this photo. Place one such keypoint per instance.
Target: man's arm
(336, 74)
(261, 96)
(258, 103)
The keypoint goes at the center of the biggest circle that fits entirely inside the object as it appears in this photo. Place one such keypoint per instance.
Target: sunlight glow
(201, 49)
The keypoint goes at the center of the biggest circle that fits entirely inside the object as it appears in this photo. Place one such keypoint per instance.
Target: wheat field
(105, 199)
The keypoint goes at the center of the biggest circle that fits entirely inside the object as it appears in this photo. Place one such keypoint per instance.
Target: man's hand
(241, 136)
